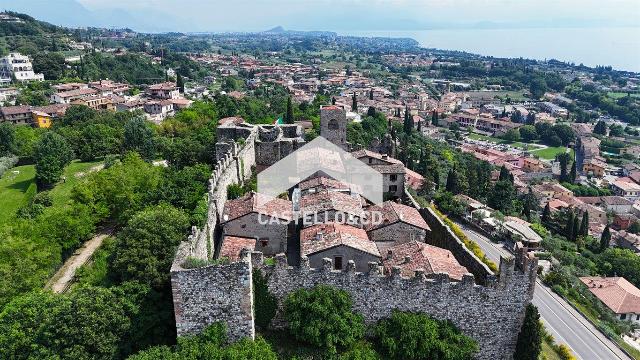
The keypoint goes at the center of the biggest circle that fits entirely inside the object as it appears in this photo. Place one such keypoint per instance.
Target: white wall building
(17, 66)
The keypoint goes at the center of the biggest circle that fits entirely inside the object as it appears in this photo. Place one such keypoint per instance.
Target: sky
(330, 15)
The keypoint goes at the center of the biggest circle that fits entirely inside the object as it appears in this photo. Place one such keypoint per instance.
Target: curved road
(562, 321)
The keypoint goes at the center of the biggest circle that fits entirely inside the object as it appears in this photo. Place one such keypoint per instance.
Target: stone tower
(333, 125)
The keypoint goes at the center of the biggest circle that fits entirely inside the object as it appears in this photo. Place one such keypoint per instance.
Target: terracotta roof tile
(430, 258)
(615, 292)
(321, 237)
(325, 200)
(393, 212)
(257, 203)
(233, 245)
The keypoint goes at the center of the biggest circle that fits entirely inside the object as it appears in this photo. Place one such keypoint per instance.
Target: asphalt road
(565, 324)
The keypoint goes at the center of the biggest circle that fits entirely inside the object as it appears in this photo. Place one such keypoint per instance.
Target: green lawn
(495, 140)
(550, 152)
(12, 188)
(62, 191)
(14, 185)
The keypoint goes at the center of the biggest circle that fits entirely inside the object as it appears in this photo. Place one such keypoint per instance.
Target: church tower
(333, 125)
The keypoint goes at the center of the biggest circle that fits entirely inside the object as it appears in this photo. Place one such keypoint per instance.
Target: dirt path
(63, 278)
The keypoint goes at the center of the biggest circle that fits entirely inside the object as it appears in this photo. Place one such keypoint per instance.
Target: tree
(8, 143)
(605, 238)
(322, 316)
(546, 214)
(502, 197)
(354, 103)
(288, 119)
(577, 230)
(371, 94)
(528, 133)
(180, 82)
(600, 128)
(537, 88)
(573, 173)
(371, 111)
(584, 226)
(416, 336)
(504, 173)
(434, 118)
(634, 228)
(563, 159)
(51, 156)
(529, 343)
(569, 229)
(453, 182)
(512, 135)
(146, 246)
(139, 137)
(616, 130)
(333, 101)
(408, 122)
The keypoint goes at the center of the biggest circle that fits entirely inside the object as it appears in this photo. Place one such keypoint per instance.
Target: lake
(618, 47)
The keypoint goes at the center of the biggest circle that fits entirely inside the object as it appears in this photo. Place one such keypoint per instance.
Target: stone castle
(416, 265)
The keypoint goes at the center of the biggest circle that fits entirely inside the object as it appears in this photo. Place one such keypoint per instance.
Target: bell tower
(333, 125)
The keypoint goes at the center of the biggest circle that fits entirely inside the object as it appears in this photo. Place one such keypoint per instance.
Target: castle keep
(409, 261)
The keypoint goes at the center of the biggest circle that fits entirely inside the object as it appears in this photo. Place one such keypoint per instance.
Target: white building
(18, 67)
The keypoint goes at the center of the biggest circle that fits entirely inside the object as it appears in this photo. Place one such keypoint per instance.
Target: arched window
(333, 124)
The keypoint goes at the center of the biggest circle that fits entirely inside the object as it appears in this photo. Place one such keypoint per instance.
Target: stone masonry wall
(214, 293)
(492, 314)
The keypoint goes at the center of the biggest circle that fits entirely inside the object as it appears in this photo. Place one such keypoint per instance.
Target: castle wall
(360, 258)
(214, 293)
(491, 315)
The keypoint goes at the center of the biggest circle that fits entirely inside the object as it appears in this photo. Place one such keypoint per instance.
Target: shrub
(322, 317)
(360, 351)
(407, 336)
(265, 304)
(6, 163)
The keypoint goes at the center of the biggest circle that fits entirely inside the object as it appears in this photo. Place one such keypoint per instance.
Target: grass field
(14, 184)
(548, 353)
(550, 152)
(495, 140)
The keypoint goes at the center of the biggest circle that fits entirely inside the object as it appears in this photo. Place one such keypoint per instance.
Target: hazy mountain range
(333, 15)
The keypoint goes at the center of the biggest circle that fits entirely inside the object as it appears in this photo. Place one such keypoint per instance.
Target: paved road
(561, 320)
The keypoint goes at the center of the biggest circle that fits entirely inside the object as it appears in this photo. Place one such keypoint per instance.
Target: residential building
(17, 67)
(392, 170)
(594, 167)
(165, 91)
(618, 294)
(17, 115)
(626, 188)
(66, 97)
(391, 223)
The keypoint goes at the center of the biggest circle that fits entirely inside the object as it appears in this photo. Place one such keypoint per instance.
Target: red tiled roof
(257, 203)
(393, 212)
(324, 200)
(324, 182)
(615, 292)
(422, 256)
(321, 237)
(233, 245)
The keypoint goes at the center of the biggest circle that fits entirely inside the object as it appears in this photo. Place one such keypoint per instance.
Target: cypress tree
(452, 182)
(605, 238)
(371, 94)
(569, 230)
(434, 118)
(576, 228)
(573, 174)
(529, 343)
(584, 226)
(546, 214)
(333, 101)
(180, 83)
(408, 123)
(354, 103)
(371, 111)
(289, 116)
(504, 173)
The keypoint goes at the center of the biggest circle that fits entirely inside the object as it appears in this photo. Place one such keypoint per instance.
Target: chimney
(407, 259)
(389, 254)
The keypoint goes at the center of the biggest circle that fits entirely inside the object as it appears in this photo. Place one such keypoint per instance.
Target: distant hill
(279, 30)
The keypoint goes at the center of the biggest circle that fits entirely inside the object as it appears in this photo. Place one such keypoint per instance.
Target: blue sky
(337, 15)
